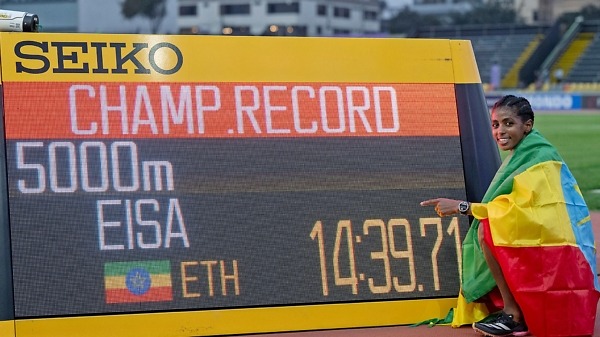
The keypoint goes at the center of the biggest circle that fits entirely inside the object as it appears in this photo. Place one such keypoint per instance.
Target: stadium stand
(577, 54)
(529, 56)
(511, 79)
(504, 48)
(587, 67)
(509, 45)
(571, 54)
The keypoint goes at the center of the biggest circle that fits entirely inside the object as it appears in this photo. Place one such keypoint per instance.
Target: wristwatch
(463, 207)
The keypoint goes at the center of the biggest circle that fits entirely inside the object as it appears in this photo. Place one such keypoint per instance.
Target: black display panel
(151, 225)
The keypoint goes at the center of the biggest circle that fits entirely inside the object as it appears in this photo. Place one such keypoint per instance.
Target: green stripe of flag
(122, 268)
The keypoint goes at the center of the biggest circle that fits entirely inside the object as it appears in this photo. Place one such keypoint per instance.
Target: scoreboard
(167, 185)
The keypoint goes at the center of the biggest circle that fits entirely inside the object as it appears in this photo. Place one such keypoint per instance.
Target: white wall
(209, 21)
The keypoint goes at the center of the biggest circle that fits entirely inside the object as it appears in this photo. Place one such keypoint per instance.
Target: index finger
(430, 202)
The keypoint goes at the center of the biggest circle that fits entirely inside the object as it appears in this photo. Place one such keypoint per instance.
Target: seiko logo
(95, 58)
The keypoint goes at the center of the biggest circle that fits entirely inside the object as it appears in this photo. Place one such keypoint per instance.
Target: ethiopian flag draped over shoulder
(539, 229)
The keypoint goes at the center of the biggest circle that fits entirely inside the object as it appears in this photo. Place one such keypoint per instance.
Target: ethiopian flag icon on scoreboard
(139, 281)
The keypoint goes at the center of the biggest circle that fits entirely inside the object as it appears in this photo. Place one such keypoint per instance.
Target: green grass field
(577, 138)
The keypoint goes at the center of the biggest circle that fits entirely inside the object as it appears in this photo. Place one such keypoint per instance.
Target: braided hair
(519, 105)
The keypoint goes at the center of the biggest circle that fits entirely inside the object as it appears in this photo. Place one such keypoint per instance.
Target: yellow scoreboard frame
(46, 61)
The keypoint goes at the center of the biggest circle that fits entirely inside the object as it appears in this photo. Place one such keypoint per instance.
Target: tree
(491, 12)
(406, 21)
(589, 12)
(487, 13)
(153, 10)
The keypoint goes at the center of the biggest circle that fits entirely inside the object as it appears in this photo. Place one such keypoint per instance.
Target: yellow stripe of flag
(118, 282)
(534, 214)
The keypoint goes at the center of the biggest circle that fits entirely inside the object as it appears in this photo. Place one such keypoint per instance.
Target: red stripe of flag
(553, 285)
(154, 294)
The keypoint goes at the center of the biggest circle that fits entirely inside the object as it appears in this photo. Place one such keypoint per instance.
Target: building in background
(228, 17)
(280, 17)
(267, 17)
(532, 12)
(550, 10)
(545, 12)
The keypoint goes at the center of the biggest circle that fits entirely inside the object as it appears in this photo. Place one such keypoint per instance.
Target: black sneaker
(503, 325)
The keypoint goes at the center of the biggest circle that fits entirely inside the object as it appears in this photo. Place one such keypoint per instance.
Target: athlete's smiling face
(508, 128)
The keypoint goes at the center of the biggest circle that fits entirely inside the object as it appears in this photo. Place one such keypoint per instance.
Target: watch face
(463, 207)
